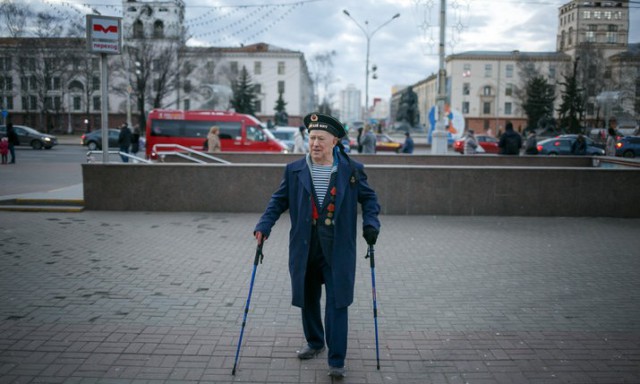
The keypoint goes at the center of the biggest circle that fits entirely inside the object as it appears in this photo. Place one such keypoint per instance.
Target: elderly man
(322, 191)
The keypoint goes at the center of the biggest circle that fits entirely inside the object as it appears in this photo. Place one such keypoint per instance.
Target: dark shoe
(336, 372)
(309, 353)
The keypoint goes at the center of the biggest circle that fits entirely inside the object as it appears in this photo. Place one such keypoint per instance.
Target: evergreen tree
(538, 103)
(282, 117)
(280, 104)
(572, 107)
(244, 94)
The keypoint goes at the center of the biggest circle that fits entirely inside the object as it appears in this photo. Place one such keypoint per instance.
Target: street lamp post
(368, 35)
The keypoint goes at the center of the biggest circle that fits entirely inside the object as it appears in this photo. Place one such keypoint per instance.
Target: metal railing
(185, 153)
(91, 158)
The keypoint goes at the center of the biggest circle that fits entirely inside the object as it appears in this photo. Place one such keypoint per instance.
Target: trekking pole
(259, 257)
(370, 252)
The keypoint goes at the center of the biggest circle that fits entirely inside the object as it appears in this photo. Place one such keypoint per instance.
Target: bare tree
(322, 74)
(14, 16)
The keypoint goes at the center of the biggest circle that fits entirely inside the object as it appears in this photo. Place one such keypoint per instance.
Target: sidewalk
(139, 297)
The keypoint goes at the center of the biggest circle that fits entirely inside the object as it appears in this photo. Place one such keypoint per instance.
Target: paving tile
(159, 298)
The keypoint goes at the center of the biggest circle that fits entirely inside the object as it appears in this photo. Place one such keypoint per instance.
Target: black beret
(324, 122)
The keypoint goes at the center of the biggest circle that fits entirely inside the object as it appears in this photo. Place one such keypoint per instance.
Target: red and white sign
(104, 34)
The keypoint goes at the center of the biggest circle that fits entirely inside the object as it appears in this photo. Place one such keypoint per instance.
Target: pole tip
(233, 372)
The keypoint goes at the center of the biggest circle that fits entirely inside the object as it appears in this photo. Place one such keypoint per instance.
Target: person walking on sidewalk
(322, 191)
(124, 141)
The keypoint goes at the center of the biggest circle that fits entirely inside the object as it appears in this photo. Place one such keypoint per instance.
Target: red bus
(238, 132)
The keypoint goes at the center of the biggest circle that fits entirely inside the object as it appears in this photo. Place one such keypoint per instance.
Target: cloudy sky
(404, 51)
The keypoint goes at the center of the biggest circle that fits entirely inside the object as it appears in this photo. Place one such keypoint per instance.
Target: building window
(95, 83)
(96, 103)
(210, 67)
(586, 15)
(187, 87)
(509, 73)
(29, 103)
(6, 83)
(508, 91)
(257, 88)
(186, 104)
(466, 70)
(6, 102)
(52, 83)
(488, 69)
(52, 103)
(466, 88)
(570, 39)
(233, 66)
(486, 91)
(612, 34)
(280, 67)
(281, 86)
(607, 15)
(138, 30)
(590, 37)
(158, 29)
(590, 109)
(465, 107)
(77, 103)
(5, 64)
(95, 65)
(257, 67)
(507, 108)
(597, 15)
(28, 64)
(258, 105)
(486, 107)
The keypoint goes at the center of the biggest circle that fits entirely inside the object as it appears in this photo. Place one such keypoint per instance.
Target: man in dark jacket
(322, 191)
(12, 137)
(124, 141)
(510, 141)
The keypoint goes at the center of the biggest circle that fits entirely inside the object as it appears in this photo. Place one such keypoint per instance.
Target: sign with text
(104, 34)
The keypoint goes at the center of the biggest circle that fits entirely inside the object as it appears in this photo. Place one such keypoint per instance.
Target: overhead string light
(427, 15)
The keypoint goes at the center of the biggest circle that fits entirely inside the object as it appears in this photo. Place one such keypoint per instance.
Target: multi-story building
(155, 70)
(350, 104)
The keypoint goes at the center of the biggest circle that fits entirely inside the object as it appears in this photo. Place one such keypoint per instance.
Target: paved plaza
(136, 297)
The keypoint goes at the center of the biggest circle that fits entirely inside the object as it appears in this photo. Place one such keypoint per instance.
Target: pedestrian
(321, 192)
(124, 141)
(358, 139)
(368, 140)
(298, 140)
(213, 139)
(470, 143)
(407, 147)
(12, 138)
(510, 141)
(579, 146)
(531, 145)
(4, 149)
(610, 146)
(135, 141)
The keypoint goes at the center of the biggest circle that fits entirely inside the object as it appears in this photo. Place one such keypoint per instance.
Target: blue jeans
(125, 159)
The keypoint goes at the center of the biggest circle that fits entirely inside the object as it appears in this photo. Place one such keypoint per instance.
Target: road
(43, 170)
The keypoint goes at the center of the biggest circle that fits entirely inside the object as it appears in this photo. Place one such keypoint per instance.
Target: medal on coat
(327, 222)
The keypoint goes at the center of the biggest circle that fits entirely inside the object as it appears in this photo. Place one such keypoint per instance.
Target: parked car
(589, 140)
(31, 137)
(488, 143)
(562, 146)
(287, 136)
(628, 146)
(385, 143)
(93, 139)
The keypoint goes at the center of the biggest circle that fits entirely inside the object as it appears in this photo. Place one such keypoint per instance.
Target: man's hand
(370, 234)
(259, 237)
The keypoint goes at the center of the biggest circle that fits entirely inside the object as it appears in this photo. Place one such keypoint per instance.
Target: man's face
(321, 145)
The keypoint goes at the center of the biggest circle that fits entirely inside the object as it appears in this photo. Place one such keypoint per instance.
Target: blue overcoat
(294, 193)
